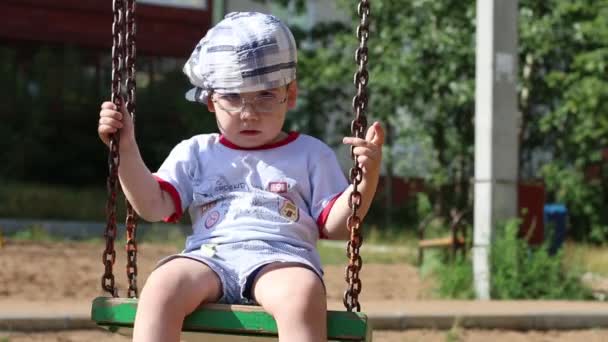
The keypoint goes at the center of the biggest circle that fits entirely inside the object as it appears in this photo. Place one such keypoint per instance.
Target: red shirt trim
(291, 136)
(177, 201)
(322, 219)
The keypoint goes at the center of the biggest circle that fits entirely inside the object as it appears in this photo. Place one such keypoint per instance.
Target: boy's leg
(172, 291)
(294, 295)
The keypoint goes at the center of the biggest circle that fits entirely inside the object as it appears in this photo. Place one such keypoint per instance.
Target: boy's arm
(369, 157)
(141, 188)
(139, 185)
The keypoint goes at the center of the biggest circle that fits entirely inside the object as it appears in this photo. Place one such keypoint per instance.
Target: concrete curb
(397, 321)
(45, 323)
(535, 321)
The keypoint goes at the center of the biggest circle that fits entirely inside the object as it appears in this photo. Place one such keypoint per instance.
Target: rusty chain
(358, 127)
(108, 283)
(130, 86)
(123, 62)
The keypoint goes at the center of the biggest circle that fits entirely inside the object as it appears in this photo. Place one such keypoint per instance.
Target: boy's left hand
(368, 150)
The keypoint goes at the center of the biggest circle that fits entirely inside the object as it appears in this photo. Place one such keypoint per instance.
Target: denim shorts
(238, 263)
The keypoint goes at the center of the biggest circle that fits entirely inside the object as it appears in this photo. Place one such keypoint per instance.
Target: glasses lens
(230, 102)
(265, 103)
(234, 103)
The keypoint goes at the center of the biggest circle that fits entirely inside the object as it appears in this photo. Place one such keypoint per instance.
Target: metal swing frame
(118, 314)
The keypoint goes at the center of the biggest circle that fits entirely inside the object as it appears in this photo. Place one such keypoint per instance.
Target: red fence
(531, 202)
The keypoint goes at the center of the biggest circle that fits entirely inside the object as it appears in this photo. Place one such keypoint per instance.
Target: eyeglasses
(234, 103)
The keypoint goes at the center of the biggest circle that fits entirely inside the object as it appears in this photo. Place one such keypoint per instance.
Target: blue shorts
(238, 263)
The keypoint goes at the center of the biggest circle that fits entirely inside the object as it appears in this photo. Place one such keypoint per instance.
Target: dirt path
(72, 271)
(381, 336)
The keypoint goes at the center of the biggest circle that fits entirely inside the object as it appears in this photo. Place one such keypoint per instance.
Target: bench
(456, 240)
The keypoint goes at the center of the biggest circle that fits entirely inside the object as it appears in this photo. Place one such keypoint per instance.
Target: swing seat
(118, 315)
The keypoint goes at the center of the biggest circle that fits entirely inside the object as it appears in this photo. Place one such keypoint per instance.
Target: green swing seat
(118, 315)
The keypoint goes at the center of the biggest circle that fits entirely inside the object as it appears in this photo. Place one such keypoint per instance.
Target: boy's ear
(210, 105)
(292, 94)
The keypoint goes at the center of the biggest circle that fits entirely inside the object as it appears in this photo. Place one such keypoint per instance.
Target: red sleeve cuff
(177, 202)
(322, 219)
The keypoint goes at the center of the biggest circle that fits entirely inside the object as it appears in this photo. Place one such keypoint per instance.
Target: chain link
(123, 66)
(358, 127)
(108, 282)
(131, 248)
(130, 86)
(130, 53)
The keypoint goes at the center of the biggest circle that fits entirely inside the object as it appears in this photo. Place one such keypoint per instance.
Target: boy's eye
(266, 97)
(231, 97)
(275, 92)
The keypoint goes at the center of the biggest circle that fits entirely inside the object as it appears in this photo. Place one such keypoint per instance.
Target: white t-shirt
(278, 192)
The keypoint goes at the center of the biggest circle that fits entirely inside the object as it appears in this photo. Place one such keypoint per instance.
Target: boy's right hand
(112, 121)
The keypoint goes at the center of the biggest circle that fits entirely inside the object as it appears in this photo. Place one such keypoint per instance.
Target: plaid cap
(245, 52)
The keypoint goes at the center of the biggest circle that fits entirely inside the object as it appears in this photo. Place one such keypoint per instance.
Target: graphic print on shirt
(266, 181)
(278, 187)
(213, 196)
(287, 208)
(250, 189)
(290, 211)
(212, 218)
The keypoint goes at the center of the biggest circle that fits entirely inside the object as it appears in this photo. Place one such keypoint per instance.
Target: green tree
(422, 56)
(421, 65)
(564, 49)
(51, 102)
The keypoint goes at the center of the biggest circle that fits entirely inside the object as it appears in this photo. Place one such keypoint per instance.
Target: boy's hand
(368, 150)
(112, 121)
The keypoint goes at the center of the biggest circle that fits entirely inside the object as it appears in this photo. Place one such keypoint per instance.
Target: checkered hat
(245, 52)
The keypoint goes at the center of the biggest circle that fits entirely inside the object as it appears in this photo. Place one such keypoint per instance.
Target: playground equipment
(119, 313)
(455, 241)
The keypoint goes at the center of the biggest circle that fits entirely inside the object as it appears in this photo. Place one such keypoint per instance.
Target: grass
(53, 202)
(379, 247)
(387, 245)
(332, 252)
(593, 258)
(34, 233)
(88, 204)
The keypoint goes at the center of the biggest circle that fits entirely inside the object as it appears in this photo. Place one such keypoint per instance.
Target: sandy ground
(381, 336)
(72, 271)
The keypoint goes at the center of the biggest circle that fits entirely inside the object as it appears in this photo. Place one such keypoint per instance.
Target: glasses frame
(244, 101)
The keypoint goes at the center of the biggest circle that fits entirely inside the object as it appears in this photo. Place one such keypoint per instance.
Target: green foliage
(518, 272)
(50, 106)
(423, 205)
(34, 233)
(456, 332)
(421, 64)
(455, 280)
(334, 253)
(564, 45)
(584, 199)
(41, 201)
(421, 67)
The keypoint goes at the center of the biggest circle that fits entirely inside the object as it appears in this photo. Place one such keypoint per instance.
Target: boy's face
(253, 119)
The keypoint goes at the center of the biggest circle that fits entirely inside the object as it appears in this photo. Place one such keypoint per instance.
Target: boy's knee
(182, 283)
(163, 285)
(292, 291)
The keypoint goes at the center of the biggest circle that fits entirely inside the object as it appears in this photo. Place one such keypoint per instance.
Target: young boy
(259, 197)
